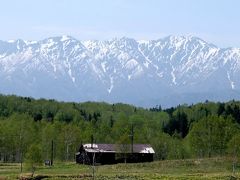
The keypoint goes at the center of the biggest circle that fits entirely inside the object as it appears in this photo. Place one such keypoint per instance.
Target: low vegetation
(208, 168)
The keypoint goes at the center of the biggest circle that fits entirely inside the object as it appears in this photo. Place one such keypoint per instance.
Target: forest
(29, 127)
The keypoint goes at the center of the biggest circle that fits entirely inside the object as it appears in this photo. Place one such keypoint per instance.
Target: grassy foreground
(215, 168)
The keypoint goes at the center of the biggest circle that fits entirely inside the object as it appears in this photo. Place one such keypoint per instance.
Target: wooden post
(92, 141)
(21, 147)
(93, 166)
(21, 152)
(132, 138)
(52, 154)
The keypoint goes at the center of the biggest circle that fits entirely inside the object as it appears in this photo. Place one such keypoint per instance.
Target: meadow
(207, 168)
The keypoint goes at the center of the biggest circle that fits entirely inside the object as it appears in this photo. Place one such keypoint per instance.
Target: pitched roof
(126, 148)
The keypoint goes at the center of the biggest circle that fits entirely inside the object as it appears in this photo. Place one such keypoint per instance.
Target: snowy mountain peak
(65, 38)
(167, 71)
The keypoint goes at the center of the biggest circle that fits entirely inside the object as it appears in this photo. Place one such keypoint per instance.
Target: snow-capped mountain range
(167, 72)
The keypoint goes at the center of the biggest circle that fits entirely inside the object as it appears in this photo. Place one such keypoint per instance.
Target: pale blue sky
(216, 21)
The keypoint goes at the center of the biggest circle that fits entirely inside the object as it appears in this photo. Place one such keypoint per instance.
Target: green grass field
(215, 168)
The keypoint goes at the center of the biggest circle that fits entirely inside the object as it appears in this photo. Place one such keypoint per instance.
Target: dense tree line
(202, 130)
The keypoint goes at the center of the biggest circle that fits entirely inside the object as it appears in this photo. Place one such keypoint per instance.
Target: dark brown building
(114, 153)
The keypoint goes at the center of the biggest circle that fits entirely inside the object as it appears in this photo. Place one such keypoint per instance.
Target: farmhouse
(114, 153)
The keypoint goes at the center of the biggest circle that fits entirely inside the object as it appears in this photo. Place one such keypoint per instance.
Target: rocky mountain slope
(168, 71)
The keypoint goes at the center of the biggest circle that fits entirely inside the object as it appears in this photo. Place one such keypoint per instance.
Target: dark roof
(137, 148)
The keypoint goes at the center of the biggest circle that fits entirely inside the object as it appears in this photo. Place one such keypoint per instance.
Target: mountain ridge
(144, 73)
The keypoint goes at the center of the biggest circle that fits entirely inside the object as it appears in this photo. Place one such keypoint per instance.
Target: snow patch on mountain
(231, 82)
(111, 85)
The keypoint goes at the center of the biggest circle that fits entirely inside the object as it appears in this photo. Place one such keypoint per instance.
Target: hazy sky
(216, 21)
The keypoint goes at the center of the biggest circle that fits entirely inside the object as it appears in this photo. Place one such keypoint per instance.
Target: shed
(114, 153)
